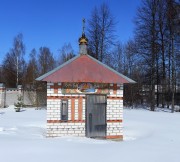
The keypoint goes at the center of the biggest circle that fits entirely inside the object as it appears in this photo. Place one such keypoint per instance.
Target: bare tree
(157, 48)
(46, 60)
(172, 32)
(32, 68)
(14, 64)
(146, 36)
(94, 33)
(117, 57)
(1, 74)
(162, 43)
(66, 53)
(101, 32)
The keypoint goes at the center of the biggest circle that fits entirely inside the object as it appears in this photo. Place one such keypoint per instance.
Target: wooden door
(96, 116)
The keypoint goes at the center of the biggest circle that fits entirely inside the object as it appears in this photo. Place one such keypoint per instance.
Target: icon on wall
(86, 88)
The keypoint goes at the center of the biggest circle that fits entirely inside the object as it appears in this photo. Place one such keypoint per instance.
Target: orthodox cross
(83, 21)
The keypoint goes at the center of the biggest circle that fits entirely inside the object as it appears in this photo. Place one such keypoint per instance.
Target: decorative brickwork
(72, 109)
(75, 126)
(56, 86)
(80, 104)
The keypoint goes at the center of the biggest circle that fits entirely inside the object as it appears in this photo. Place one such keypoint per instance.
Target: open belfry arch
(84, 97)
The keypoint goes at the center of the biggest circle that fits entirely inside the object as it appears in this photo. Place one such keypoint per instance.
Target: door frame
(87, 114)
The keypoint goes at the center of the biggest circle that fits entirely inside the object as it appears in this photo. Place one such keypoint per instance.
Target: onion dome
(83, 39)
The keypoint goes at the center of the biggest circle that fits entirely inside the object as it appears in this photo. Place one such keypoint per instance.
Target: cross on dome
(83, 40)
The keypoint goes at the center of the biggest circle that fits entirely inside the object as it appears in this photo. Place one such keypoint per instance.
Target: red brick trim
(64, 97)
(72, 109)
(115, 137)
(80, 106)
(69, 121)
(76, 97)
(114, 88)
(119, 86)
(55, 87)
(80, 121)
(114, 121)
(115, 98)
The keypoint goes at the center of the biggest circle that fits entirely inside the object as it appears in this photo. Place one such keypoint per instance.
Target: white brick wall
(69, 109)
(53, 109)
(114, 129)
(65, 129)
(114, 109)
(114, 112)
(76, 109)
(2, 96)
(84, 109)
(119, 91)
(50, 84)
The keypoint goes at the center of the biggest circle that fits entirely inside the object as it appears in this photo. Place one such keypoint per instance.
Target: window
(64, 110)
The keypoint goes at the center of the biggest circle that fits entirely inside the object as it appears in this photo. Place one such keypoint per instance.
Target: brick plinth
(65, 129)
(120, 137)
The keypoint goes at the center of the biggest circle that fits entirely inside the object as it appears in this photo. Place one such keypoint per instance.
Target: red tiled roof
(84, 68)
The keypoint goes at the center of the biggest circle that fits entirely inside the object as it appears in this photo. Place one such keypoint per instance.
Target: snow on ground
(149, 137)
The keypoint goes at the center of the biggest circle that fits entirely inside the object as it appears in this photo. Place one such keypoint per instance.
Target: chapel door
(96, 116)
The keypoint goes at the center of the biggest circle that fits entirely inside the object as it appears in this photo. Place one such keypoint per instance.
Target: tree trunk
(173, 75)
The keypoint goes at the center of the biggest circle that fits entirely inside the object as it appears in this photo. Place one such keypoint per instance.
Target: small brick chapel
(84, 98)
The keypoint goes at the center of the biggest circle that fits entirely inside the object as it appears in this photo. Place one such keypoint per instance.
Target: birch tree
(14, 65)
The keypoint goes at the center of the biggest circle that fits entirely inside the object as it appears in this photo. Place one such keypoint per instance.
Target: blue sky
(52, 23)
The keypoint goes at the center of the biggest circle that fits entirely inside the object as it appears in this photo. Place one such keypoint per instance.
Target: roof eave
(42, 77)
(121, 75)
